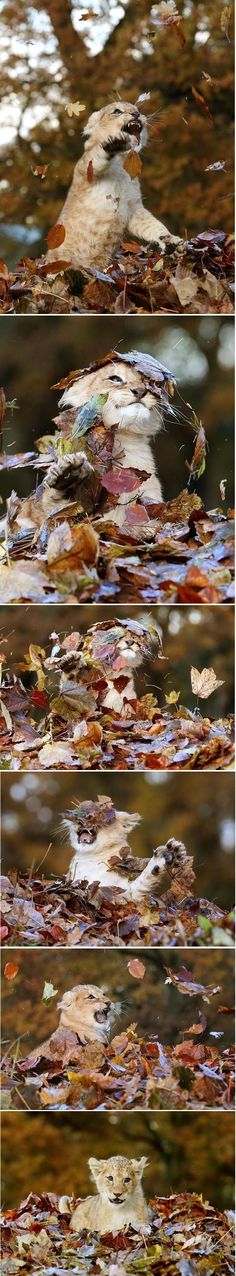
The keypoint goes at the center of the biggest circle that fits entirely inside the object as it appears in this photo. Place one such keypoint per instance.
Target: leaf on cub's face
(133, 164)
(87, 414)
(56, 236)
(90, 171)
(204, 683)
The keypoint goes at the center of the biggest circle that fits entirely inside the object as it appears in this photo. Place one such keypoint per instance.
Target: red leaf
(40, 698)
(121, 480)
(90, 172)
(10, 970)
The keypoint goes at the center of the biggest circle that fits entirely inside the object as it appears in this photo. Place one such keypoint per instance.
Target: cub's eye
(128, 1180)
(91, 997)
(117, 112)
(117, 380)
(109, 1178)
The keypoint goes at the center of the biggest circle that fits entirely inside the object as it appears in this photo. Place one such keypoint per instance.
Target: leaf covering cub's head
(117, 1178)
(135, 390)
(117, 127)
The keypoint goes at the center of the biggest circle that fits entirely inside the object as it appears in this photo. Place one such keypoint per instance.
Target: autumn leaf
(56, 236)
(173, 697)
(204, 683)
(75, 108)
(198, 463)
(121, 480)
(136, 968)
(10, 970)
(133, 164)
(222, 488)
(225, 20)
(201, 102)
(90, 173)
(49, 991)
(40, 171)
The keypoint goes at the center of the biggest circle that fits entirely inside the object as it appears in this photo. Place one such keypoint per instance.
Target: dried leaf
(56, 236)
(201, 102)
(204, 683)
(133, 164)
(136, 968)
(90, 173)
(75, 108)
(11, 970)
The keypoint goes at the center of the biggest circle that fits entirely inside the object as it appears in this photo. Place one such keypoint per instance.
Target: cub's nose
(118, 1196)
(139, 394)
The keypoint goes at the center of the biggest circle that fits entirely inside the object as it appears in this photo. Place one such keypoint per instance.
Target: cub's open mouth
(133, 129)
(101, 1015)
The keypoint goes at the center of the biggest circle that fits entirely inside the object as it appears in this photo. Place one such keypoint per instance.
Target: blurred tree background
(186, 1151)
(199, 352)
(50, 56)
(196, 635)
(156, 1007)
(188, 807)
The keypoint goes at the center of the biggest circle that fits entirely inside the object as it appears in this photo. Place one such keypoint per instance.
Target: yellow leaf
(173, 697)
(204, 683)
(75, 108)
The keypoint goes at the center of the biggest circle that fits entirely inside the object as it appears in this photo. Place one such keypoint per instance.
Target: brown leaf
(56, 236)
(136, 968)
(40, 170)
(197, 467)
(75, 108)
(90, 173)
(122, 480)
(133, 164)
(201, 102)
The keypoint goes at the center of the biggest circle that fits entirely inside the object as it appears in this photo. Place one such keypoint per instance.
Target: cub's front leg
(143, 224)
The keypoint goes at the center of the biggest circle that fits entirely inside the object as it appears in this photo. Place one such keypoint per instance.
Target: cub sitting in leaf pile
(96, 671)
(100, 456)
(104, 200)
(120, 1198)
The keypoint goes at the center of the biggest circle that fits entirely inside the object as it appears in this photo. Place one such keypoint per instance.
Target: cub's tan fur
(87, 1011)
(98, 212)
(137, 414)
(120, 1198)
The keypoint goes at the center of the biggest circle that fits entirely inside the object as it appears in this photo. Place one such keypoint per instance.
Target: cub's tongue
(101, 1016)
(135, 141)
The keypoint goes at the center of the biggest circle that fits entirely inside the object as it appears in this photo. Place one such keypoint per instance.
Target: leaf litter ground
(186, 1236)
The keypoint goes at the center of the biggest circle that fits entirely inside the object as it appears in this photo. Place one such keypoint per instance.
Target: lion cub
(120, 1198)
(103, 201)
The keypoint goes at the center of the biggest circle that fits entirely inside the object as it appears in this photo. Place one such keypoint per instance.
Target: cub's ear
(94, 1165)
(141, 1164)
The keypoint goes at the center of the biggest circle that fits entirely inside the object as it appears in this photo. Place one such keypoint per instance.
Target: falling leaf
(40, 171)
(136, 968)
(173, 697)
(204, 683)
(198, 463)
(90, 173)
(49, 991)
(133, 164)
(222, 488)
(217, 167)
(10, 970)
(56, 236)
(201, 102)
(225, 20)
(143, 97)
(75, 108)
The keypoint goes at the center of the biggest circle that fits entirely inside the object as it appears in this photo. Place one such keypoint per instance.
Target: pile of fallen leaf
(129, 1072)
(173, 551)
(186, 1235)
(56, 913)
(193, 277)
(79, 732)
